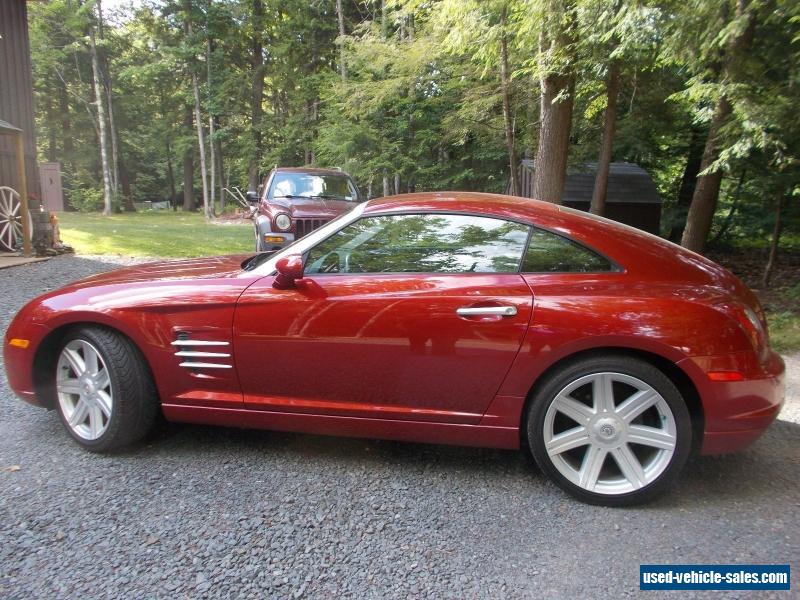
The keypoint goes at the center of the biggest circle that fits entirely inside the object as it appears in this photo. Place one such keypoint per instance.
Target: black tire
(135, 409)
(546, 393)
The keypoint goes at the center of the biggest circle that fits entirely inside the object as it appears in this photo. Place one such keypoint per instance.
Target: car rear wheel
(613, 430)
(106, 397)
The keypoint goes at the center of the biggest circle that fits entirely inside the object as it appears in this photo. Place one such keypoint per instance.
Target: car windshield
(306, 185)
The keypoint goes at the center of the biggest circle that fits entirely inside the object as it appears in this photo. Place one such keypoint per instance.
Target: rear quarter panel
(576, 312)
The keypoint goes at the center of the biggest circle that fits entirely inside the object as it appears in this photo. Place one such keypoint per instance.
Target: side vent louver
(202, 354)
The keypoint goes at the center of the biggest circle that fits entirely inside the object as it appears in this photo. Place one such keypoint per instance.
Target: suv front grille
(305, 226)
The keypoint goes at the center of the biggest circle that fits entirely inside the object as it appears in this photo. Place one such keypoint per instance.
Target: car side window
(422, 243)
(551, 253)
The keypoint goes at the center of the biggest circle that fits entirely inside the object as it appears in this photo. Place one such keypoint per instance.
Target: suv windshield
(306, 185)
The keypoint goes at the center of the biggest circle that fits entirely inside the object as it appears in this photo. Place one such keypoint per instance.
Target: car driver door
(410, 316)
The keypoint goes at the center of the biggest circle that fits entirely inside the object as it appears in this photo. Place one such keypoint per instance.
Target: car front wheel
(613, 430)
(106, 396)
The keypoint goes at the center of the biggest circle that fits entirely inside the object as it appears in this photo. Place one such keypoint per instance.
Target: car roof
(311, 171)
(626, 245)
(478, 202)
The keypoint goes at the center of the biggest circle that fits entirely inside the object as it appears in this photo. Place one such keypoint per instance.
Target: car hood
(299, 208)
(169, 270)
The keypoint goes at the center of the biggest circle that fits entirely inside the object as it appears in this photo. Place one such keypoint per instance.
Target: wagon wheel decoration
(11, 219)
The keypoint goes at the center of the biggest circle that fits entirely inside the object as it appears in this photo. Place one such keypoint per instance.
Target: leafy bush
(87, 199)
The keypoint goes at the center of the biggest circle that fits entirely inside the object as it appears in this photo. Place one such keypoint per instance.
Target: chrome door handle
(500, 311)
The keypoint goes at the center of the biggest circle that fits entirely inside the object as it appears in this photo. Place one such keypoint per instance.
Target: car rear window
(551, 253)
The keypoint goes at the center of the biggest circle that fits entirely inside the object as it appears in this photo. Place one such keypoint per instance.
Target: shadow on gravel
(766, 470)
(182, 439)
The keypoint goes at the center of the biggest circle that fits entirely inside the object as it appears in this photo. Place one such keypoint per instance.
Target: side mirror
(290, 269)
(252, 197)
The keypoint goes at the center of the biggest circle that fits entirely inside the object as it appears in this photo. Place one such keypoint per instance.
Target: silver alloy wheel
(84, 389)
(610, 433)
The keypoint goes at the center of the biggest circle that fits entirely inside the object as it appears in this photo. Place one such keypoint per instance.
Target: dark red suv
(296, 201)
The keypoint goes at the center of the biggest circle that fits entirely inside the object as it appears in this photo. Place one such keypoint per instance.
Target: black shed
(632, 197)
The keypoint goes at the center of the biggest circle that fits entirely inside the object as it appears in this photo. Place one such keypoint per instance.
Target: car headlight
(283, 221)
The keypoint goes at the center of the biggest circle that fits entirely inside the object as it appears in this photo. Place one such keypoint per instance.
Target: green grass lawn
(783, 316)
(784, 331)
(158, 234)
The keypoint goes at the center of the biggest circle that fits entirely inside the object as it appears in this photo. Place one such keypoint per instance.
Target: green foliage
(784, 331)
(88, 199)
(422, 103)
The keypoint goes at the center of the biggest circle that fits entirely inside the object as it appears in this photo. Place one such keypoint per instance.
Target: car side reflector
(19, 343)
(725, 376)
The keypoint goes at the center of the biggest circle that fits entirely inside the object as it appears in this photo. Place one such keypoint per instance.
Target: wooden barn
(16, 94)
(632, 196)
(17, 135)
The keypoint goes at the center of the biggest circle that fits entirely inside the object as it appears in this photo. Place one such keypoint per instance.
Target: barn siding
(16, 93)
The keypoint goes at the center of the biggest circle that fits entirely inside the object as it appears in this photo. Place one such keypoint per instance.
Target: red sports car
(453, 318)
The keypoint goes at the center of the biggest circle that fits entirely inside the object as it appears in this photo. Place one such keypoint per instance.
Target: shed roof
(628, 183)
(6, 127)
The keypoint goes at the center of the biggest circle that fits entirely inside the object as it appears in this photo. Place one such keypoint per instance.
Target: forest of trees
(178, 99)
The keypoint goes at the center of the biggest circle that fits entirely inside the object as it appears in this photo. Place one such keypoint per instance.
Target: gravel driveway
(203, 511)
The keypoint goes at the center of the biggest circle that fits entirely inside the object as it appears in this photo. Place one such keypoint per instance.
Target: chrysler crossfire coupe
(456, 318)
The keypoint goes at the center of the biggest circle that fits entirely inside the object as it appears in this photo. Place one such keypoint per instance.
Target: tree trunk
(598, 205)
(52, 139)
(125, 184)
(256, 97)
(220, 164)
(776, 238)
(550, 164)
(505, 84)
(557, 96)
(198, 115)
(384, 24)
(66, 125)
(173, 201)
(340, 17)
(396, 183)
(115, 158)
(188, 163)
(201, 144)
(688, 182)
(385, 184)
(106, 78)
(212, 147)
(706, 193)
(101, 123)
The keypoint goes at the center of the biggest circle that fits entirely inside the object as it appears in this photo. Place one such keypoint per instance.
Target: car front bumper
(19, 362)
